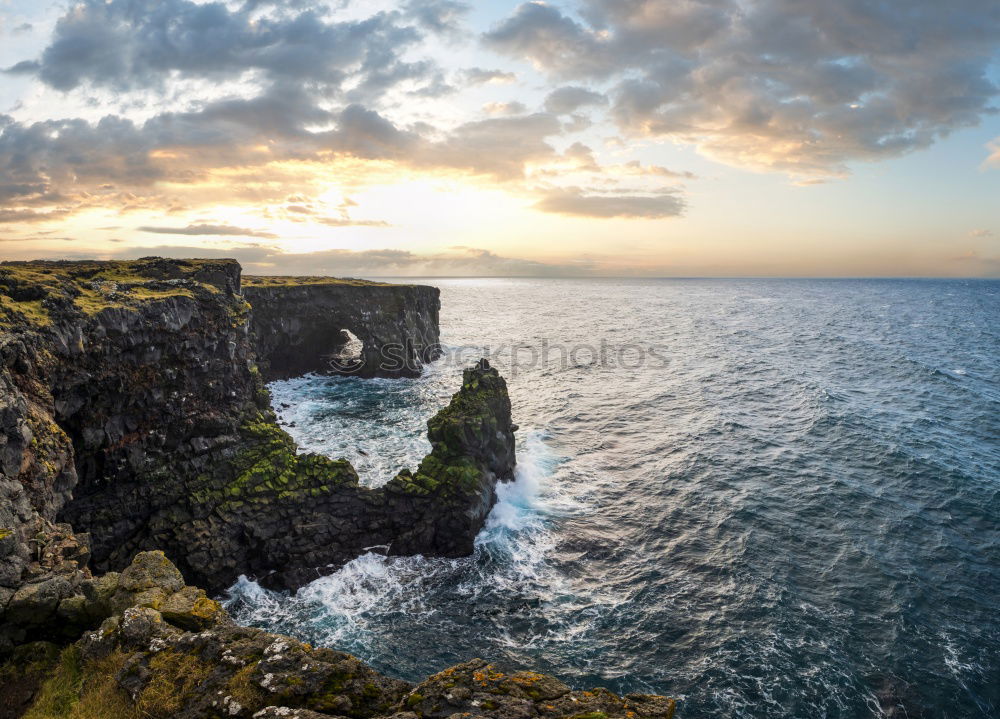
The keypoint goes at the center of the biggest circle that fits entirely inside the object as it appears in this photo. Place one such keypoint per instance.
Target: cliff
(324, 324)
(133, 416)
(133, 412)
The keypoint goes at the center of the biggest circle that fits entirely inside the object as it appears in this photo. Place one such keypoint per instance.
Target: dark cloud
(129, 44)
(565, 100)
(553, 42)
(574, 201)
(803, 86)
(213, 230)
(25, 67)
(9, 217)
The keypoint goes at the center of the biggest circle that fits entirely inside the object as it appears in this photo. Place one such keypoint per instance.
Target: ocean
(761, 497)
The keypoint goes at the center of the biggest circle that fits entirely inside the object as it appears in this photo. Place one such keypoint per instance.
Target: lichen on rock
(148, 662)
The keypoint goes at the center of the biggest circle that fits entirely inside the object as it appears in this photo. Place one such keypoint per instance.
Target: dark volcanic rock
(286, 518)
(299, 326)
(143, 662)
(133, 409)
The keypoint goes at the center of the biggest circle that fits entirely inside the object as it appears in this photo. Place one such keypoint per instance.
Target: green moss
(239, 313)
(32, 292)
(270, 468)
(5, 532)
(470, 417)
(414, 699)
(29, 311)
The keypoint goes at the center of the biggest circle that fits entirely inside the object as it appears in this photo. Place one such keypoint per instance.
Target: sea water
(762, 497)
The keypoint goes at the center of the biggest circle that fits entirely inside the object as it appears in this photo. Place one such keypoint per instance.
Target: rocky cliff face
(134, 412)
(118, 378)
(321, 324)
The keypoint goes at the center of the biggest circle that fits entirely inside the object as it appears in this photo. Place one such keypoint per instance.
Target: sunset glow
(703, 137)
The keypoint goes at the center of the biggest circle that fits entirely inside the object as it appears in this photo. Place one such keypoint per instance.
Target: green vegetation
(469, 417)
(36, 293)
(271, 469)
(175, 676)
(77, 690)
(291, 281)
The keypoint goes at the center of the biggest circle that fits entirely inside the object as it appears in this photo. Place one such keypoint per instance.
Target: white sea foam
(345, 608)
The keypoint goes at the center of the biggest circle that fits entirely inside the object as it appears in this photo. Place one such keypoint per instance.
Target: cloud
(457, 262)
(348, 222)
(553, 42)
(129, 44)
(980, 233)
(574, 201)
(501, 147)
(994, 157)
(25, 67)
(216, 230)
(30, 216)
(439, 16)
(505, 108)
(71, 164)
(479, 76)
(799, 86)
(565, 100)
(636, 168)
(308, 212)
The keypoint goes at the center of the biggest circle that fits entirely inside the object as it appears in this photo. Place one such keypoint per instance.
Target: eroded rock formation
(133, 411)
(306, 324)
(133, 416)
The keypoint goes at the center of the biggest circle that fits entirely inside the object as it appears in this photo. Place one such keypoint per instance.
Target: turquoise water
(764, 497)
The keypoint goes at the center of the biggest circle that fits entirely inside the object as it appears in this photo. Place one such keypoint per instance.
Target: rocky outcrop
(159, 654)
(117, 379)
(285, 518)
(134, 412)
(324, 324)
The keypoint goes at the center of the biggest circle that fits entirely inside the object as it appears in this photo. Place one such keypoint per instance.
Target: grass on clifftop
(30, 291)
(291, 281)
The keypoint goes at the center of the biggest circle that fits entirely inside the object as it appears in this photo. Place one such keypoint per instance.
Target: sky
(571, 138)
